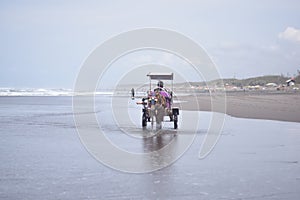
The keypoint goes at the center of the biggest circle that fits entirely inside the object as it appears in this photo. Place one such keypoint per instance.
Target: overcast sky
(44, 43)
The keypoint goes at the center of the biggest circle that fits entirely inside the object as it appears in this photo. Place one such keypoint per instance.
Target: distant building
(290, 82)
(271, 85)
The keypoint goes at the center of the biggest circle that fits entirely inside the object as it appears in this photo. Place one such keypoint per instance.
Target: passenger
(164, 92)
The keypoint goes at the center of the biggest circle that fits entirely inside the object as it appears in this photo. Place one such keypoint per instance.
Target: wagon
(158, 104)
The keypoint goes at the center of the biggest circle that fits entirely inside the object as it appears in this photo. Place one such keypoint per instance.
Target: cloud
(291, 34)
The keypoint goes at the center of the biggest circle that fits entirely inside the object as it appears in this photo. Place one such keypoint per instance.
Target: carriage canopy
(160, 76)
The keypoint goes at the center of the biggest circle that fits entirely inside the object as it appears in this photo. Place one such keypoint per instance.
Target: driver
(160, 86)
(164, 92)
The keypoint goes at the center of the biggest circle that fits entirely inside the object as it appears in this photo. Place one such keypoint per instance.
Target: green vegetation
(261, 81)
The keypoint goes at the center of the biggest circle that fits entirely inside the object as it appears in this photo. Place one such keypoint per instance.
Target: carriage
(158, 104)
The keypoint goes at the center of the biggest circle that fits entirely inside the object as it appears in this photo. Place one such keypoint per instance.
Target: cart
(159, 102)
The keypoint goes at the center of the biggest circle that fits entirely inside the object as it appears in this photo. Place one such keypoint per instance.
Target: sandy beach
(42, 156)
(271, 106)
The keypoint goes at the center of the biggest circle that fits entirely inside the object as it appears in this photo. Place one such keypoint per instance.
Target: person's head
(160, 84)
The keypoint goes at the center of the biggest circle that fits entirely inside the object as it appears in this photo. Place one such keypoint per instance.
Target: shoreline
(275, 106)
(280, 106)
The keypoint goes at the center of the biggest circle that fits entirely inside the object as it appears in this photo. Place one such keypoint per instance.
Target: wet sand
(42, 156)
(278, 106)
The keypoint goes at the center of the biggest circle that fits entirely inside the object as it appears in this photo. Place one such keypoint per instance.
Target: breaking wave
(46, 92)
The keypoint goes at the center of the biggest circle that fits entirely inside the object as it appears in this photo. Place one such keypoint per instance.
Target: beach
(43, 157)
(150, 100)
(255, 105)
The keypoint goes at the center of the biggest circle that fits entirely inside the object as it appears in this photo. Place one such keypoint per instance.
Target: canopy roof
(160, 76)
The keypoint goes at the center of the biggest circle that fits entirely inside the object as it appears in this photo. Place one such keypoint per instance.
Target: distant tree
(239, 84)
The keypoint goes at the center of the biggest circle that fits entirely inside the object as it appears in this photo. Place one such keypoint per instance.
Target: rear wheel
(144, 120)
(175, 121)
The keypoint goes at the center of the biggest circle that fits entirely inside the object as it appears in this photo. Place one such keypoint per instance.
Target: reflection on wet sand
(163, 147)
(159, 140)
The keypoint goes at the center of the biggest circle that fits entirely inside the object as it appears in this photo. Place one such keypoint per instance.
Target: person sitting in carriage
(165, 93)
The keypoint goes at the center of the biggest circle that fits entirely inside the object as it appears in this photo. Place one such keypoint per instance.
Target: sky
(44, 43)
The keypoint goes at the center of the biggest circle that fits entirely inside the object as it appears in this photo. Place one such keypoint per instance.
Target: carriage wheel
(175, 121)
(144, 120)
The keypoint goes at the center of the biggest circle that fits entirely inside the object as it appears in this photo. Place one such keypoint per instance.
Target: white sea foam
(35, 92)
(46, 92)
(67, 92)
